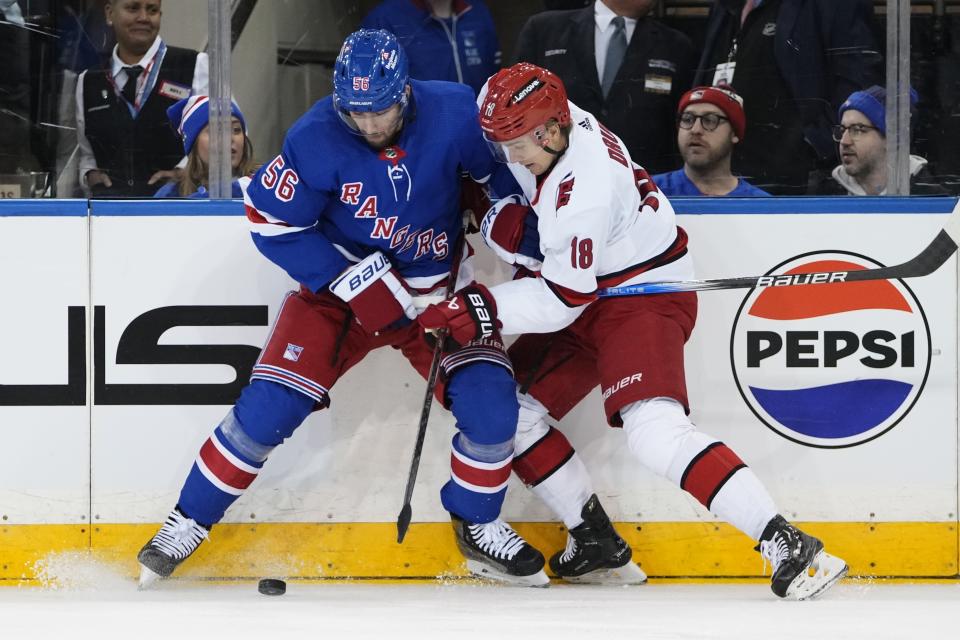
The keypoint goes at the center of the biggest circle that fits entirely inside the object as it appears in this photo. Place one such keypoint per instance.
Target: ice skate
(495, 551)
(595, 553)
(177, 539)
(801, 568)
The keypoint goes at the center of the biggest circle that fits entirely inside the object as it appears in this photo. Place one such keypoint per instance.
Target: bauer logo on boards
(831, 365)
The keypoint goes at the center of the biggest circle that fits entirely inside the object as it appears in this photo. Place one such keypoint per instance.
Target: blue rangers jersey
(330, 199)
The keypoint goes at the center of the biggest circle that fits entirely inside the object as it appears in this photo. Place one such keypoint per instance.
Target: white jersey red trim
(602, 222)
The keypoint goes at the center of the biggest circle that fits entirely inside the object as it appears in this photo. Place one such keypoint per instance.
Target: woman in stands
(190, 118)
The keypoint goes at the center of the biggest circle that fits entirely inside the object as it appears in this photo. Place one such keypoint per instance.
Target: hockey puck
(272, 587)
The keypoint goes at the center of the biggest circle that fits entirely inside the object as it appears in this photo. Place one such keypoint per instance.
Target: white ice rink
(105, 607)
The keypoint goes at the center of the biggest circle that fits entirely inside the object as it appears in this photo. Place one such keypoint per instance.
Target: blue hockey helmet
(370, 74)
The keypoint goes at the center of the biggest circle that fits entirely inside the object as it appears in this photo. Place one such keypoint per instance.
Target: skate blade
(485, 572)
(628, 574)
(148, 578)
(827, 571)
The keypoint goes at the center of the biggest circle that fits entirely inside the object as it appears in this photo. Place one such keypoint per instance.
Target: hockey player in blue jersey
(361, 207)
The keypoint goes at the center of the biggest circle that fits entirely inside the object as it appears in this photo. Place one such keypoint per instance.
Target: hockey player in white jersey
(589, 217)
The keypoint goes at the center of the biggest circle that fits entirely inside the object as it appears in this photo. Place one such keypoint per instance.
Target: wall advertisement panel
(131, 326)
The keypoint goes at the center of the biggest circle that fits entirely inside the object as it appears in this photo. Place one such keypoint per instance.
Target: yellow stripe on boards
(704, 550)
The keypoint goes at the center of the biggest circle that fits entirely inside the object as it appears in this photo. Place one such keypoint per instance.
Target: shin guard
(546, 462)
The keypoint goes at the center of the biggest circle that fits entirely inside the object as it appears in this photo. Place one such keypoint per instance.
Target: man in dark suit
(620, 65)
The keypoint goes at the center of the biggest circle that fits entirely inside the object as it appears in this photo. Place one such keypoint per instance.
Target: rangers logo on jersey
(292, 352)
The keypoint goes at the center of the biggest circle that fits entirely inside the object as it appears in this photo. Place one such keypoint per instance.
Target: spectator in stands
(794, 62)
(451, 40)
(861, 136)
(622, 66)
(126, 145)
(190, 118)
(710, 123)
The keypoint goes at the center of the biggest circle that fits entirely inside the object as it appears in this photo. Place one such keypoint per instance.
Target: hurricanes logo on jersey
(564, 192)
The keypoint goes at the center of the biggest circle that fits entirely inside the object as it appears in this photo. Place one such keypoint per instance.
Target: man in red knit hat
(710, 121)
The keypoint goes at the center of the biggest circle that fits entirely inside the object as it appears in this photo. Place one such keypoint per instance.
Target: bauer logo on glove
(375, 293)
(470, 315)
(374, 269)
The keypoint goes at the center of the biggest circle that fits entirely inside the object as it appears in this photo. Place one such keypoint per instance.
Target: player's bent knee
(268, 412)
(495, 452)
(483, 400)
(661, 436)
(237, 437)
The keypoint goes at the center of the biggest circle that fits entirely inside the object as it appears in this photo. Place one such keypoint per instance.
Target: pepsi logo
(831, 365)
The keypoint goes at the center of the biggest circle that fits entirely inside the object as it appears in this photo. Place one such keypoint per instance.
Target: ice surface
(82, 600)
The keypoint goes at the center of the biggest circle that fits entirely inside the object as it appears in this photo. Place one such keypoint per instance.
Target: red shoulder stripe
(570, 297)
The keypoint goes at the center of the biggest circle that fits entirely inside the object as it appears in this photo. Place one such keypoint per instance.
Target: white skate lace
(497, 539)
(776, 550)
(571, 549)
(179, 536)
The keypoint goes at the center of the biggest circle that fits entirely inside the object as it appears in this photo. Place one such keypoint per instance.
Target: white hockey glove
(510, 229)
(376, 294)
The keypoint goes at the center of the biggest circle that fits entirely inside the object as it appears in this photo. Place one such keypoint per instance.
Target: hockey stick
(926, 262)
(406, 512)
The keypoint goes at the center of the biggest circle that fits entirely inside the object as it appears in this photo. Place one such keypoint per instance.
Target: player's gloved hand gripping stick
(469, 315)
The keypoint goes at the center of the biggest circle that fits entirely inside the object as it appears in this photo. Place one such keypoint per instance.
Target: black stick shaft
(406, 511)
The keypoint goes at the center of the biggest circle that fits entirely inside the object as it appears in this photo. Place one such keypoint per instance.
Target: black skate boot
(595, 553)
(177, 539)
(494, 550)
(801, 568)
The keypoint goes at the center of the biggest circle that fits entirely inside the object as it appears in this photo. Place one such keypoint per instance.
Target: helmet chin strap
(556, 156)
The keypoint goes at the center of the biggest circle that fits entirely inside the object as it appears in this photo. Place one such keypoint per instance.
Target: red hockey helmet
(521, 98)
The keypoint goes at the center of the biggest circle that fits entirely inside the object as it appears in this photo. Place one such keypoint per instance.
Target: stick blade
(403, 522)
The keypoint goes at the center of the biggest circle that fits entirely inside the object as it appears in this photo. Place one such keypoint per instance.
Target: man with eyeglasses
(710, 121)
(861, 136)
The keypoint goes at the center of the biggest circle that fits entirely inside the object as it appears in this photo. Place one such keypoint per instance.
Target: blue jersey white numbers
(329, 199)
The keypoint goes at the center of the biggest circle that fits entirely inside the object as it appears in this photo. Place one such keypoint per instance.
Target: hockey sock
(478, 479)
(226, 465)
(745, 503)
(547, 463)
(662, 437)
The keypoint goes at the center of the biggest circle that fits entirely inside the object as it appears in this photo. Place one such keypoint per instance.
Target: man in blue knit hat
(861, 135)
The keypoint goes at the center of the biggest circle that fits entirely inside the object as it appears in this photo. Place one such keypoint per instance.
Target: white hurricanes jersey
(602, 223)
